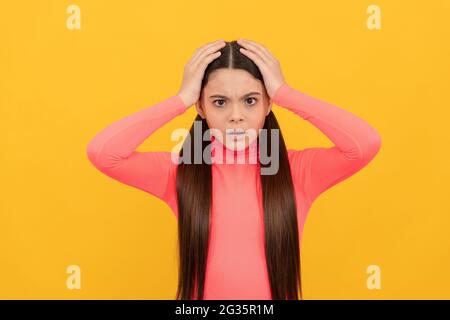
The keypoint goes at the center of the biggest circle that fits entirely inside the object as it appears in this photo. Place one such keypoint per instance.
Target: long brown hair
(194, 191)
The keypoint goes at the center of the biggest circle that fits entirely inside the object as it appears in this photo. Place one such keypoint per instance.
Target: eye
(220, 105)
(253, 99)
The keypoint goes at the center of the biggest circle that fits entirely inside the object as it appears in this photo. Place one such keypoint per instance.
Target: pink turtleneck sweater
(236, 266)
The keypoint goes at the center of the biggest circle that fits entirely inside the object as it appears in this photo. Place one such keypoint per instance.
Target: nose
(236, 115)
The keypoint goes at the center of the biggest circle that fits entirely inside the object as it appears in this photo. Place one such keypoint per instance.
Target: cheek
(257, 119)
(215, 120)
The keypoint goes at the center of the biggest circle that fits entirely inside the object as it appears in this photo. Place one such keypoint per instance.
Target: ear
(199, 108)
(269, 108)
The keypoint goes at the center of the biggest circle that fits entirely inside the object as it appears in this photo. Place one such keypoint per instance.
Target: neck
(224, 155)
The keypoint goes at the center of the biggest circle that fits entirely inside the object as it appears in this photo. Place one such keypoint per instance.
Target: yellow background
(59, 87)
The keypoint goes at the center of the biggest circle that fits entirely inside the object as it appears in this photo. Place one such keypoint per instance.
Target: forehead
(232, 82)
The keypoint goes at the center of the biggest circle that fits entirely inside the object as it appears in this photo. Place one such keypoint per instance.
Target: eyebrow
(245, 95)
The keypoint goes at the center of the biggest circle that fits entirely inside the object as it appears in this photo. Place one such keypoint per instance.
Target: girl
(239, 230)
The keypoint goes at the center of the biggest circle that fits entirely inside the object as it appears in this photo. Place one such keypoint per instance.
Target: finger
(256, 47)
(206, 48)
(210, 50)
(211, 57)
(252, 46)
(255, 57)
(200, 49)
(263, 48)
(201, 66)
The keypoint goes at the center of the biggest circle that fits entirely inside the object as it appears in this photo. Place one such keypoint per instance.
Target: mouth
(236, 135)
(235, 132)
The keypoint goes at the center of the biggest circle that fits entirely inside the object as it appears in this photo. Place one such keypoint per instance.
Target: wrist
(279, 92)
(184, 100)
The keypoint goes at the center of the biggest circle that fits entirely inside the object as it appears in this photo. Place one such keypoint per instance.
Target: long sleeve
(355, 142)
(113, 149)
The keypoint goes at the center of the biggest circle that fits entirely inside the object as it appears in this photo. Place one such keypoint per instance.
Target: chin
(237, 145)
